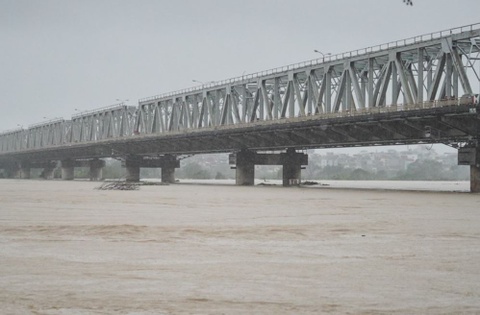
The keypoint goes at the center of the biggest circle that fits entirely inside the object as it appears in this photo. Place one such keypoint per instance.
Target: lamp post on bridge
(203, 83)
(122, 101)
(321, 53)
(79, 111)
(49, 119)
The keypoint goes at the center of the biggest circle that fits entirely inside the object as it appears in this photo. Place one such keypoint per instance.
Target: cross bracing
(111, 122)
(433, 70)
(105, 123)
(428, 69)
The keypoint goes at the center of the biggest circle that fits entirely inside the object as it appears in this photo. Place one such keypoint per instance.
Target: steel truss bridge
(422, 89)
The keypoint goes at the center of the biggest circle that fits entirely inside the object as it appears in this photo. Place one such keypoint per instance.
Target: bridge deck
(381, 126)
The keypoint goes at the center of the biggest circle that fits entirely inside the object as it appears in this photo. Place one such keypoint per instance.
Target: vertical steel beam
(433, 88)
(448, 76)
(421, 57)
(277, 98)
(404, 80)
(359, 92)
(460, 68)
(371, 99)
(327, 83)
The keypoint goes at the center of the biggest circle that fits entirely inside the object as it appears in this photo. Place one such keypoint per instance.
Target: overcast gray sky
(60, 55)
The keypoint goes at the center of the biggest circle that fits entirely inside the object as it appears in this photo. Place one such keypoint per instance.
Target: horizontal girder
(382, 128)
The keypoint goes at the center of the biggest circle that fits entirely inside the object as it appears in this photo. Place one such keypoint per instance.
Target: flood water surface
(67, 248)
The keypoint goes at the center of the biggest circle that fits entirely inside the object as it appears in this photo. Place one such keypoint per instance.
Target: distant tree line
(418, 170)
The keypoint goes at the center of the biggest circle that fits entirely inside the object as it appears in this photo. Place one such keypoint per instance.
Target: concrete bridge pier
(291, 161)
(20, 170)
(168, 175)
(132, 167)
(12, 171)
(68, 167)
(96, 169)
(471, 156)
(170, 163)
(245, 167)
(292, 167)
(48, 173)
(475, 178)
(132, 174)
(16, 170)
(24, 170)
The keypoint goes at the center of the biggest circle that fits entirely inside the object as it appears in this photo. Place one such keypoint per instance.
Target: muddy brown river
(66, 248)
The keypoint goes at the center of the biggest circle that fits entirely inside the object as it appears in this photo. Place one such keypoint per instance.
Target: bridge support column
(132, 167)
(245, 168)
(168, 175)
(19, 170)
(133, 174)
(96, 169)
(24, 170)
(292, 167)
(12, 171)
(291, 161)
(47, 173)
(475, 178)
(471, 156)
(68, 167)
(169, 164)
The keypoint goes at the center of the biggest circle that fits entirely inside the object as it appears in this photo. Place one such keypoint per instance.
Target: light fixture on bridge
(321, 53)
(50, 119)
(203, 83)
(122, 102)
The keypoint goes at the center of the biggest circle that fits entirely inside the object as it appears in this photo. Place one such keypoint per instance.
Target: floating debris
(119, 186)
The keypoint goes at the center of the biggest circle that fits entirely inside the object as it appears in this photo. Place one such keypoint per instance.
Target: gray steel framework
(409, 76)
(422, 69)
(110, 122)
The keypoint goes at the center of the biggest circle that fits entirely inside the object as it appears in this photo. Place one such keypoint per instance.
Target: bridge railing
(100, 110)
(47, 122)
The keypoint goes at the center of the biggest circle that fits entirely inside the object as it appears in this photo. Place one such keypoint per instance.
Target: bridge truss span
(424, 71)
(389, 94)
(115, 121)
